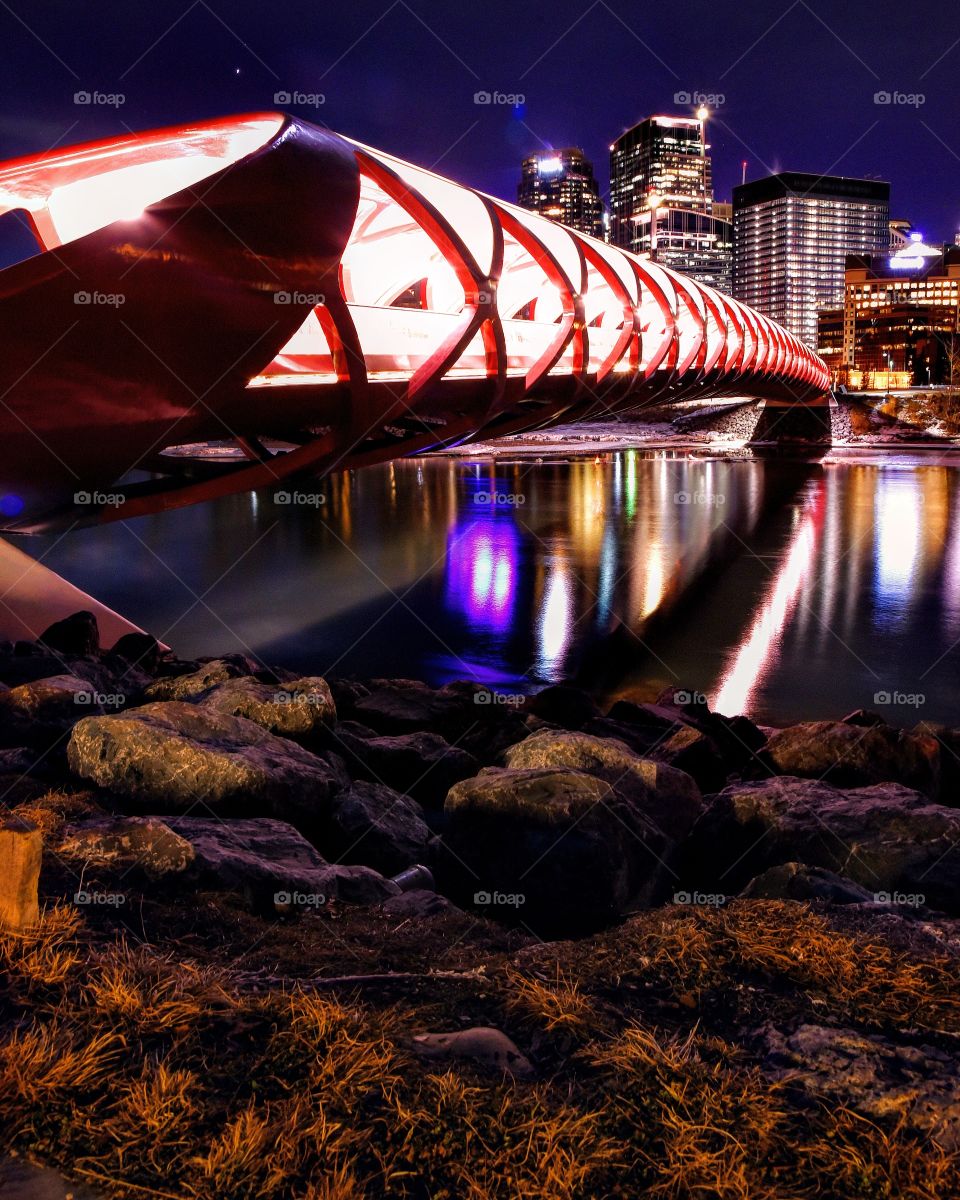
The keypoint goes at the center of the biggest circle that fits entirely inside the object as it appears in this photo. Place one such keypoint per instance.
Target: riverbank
(649, 951)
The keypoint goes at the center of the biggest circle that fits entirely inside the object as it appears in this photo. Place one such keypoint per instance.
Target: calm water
(781, 589)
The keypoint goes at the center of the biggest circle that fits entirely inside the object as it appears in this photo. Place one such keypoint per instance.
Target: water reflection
(787, 590)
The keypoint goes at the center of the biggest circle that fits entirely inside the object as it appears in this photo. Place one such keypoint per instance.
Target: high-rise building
(661, 199)
(900, 318)
(560, 184)
(792, 233)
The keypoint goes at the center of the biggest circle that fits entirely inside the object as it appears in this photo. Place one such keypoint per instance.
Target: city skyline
(792, 88)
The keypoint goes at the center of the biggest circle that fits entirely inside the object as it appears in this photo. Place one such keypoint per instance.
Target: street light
(653, 203)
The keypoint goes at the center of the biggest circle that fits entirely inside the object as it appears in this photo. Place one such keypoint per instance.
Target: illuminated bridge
(203, 310)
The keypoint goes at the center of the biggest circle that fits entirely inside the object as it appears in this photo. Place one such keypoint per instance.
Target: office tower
(560, 184)
(792, 233)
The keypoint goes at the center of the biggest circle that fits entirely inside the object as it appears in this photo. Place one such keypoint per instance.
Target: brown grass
(126, 1064)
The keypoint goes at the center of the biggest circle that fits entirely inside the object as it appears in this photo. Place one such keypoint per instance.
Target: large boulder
(797, 881)
(422, 765)
(670, 798)
(194, 683)
(565, 705)
(855, 755)
(887, 838)
(297, 710)
(556, 848)
(77, 634)
(266, 861)
(177, 756)
(374, 825)
(916, 1087)
(38, 714)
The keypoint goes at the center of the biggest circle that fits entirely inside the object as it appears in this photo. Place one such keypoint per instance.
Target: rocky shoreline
(415, 844)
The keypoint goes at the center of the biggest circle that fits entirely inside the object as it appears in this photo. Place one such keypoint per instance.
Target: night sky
(795, 82)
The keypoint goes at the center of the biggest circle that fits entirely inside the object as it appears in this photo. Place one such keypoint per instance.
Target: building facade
(560, 184)
(661, 199)
(792, 233)
(899, 319)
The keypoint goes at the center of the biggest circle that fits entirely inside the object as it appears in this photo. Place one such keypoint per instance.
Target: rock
(195, 683)
(266, 859)
(887, 838)
(140, 650)
(562, 848)
(147, 844)
(422, 765)
(796, 881)
(346, 692)
(177, 756)
(77, 634)
(38, 714)
(856, 755)
(22, 1180)
(918, 1085)
(374, 825)
(482, 1044)
(21, 849)
(864, 717)
(690, 750)
(670, 798)
(569, 707)
(418, 904)
(665, 735)
(295, 710)
(395, 706)
(949, 741)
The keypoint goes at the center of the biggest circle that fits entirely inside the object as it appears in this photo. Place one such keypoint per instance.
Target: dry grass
(123, 1063)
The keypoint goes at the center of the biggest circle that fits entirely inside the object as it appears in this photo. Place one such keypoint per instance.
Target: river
(787, 590)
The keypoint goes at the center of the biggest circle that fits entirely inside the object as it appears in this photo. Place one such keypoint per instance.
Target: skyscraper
(791, 235)
(560, 184)
(661, 199)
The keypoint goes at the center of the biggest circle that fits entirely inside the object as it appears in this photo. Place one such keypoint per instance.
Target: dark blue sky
(797, 80)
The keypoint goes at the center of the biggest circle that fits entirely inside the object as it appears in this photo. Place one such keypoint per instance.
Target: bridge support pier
(784, 422)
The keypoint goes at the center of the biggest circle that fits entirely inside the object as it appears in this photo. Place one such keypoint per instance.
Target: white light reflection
(742, 677)
(554, 625)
